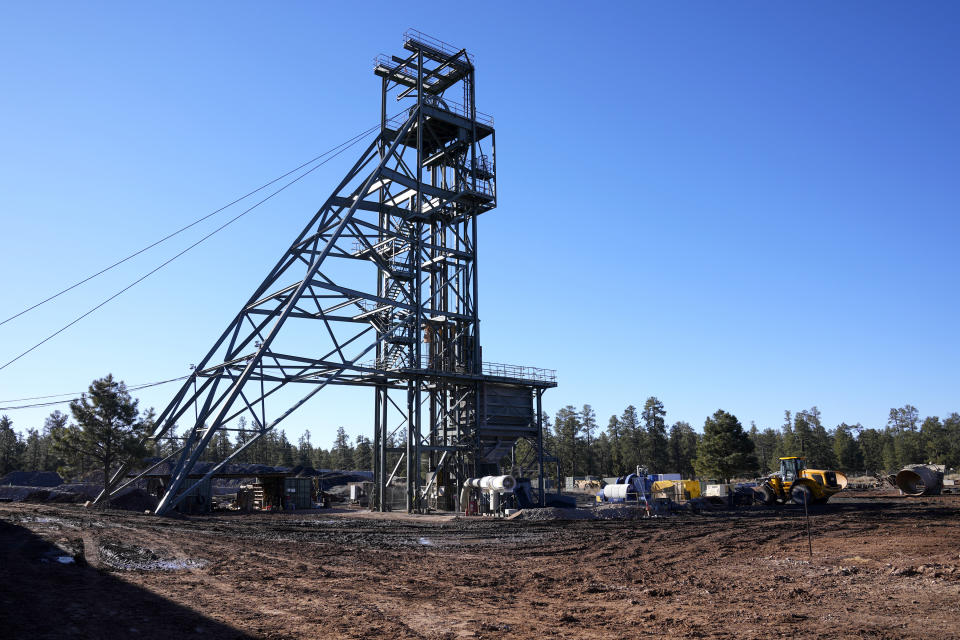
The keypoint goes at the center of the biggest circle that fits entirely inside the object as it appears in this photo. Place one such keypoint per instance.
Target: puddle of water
(176, 565)
(326, 524)
(155, 565)
(425, 541)
(65, 559)
(42, 520)
(139, 559)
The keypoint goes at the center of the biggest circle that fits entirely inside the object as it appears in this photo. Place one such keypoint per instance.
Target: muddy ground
(882, 567)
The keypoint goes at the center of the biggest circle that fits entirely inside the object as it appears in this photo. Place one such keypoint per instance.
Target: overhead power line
(76, 395)
(184, 228)
(341, 148)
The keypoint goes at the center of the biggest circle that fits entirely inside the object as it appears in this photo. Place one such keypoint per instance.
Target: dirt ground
(882, 567)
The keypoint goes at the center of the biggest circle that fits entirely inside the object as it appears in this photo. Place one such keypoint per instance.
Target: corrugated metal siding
(300, 490)
(198, 500)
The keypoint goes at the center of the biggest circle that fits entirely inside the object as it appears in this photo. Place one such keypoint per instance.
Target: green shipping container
(299, 491)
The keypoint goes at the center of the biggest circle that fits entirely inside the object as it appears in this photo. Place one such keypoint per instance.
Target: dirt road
(881, 568)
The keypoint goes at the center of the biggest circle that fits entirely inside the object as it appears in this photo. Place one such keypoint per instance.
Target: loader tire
(801, 494)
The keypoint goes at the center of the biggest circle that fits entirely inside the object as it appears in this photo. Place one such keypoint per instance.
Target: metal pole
(384, 443)
(377, 504)
(196, 416)
(539, 392)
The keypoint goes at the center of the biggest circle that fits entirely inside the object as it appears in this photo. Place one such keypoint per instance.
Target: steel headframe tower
(380, 290)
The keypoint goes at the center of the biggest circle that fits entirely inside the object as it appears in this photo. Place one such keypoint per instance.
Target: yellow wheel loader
(795, 483)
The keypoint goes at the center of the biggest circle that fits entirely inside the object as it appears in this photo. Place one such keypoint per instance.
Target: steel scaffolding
(380, 290)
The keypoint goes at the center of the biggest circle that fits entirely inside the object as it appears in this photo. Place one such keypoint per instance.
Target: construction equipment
(677, 490)
(794, 482)
(634, 487)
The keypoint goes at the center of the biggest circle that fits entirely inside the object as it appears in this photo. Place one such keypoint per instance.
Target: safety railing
(437, 102)
(494, 369)
(519, 372)
(447, 49)
(484, 187)
(461, 110)
(482, 165)
(437, 364)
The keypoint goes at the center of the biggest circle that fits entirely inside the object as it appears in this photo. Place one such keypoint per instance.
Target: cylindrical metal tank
(919, 480)
(616, 491)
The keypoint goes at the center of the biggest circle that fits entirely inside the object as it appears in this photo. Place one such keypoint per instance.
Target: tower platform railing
(418, 37)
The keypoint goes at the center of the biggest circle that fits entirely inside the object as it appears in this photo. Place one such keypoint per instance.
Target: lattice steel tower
(380, 290)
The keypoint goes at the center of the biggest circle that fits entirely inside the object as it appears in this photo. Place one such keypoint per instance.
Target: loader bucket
(842, 481)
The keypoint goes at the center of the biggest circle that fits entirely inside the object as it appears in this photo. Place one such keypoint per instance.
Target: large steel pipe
(919, 480)
(502, 484)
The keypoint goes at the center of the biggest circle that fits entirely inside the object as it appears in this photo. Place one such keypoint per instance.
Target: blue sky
(746, 206)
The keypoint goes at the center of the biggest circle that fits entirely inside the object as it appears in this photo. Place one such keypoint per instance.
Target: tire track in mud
(727, 574)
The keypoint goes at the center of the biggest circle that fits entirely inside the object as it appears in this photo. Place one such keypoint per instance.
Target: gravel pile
(134, 500)
(14, 494)
(619, 511)
(32, 479)
(39, 494)
(88, 490)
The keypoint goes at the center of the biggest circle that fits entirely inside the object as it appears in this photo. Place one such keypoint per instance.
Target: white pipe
(500, 484)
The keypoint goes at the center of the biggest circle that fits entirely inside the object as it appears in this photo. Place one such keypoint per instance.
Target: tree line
(725, 448)
(107, 426)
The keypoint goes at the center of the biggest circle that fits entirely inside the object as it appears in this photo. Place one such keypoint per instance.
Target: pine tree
(847, 452)
(52, 425)
(819, 453)
(907, 444)
(603, 455)
(242, 437)
(871, 443)
(657, 450)
(567, 427)
(304, 450)
(803, 434)
(588, 422)
(363, 455)
(725, 450)
(683, 448)
(283, 452)
(342, 454)
(10, 446)
(891, 461)
(631, 440)
(951, 426)
(788, 444)
(767, 446)
(614, 434)
(109, 427)
(32, 457)
(322, 459)
(220, 446)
